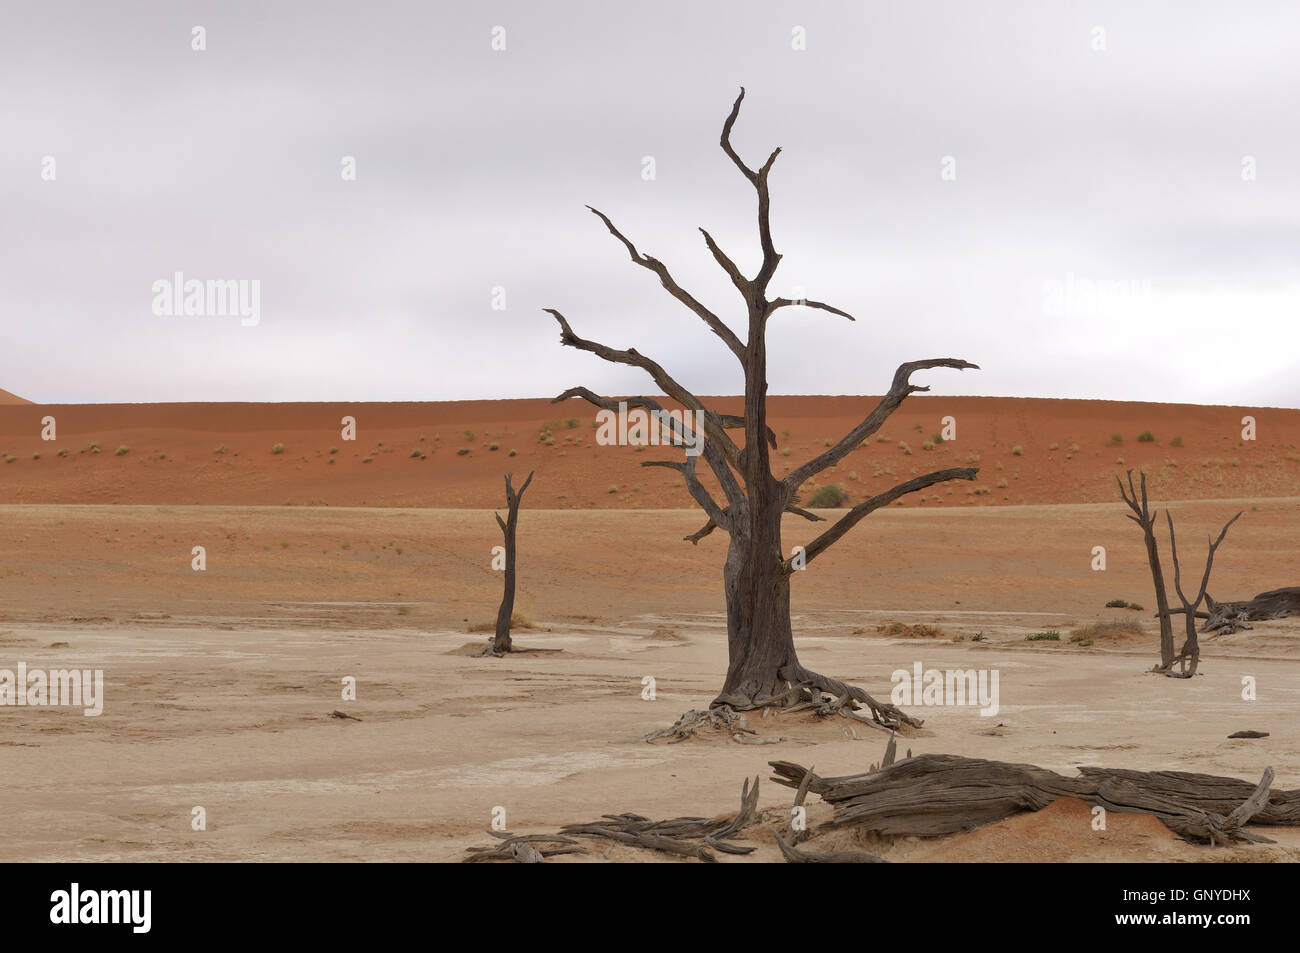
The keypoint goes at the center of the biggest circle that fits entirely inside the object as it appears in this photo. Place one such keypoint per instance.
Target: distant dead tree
(1228, 617)
(763, 668)
(1145, 518)
(1190, 655)
(501, 643)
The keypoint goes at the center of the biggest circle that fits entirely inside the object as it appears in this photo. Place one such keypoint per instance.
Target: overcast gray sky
(1073, 163)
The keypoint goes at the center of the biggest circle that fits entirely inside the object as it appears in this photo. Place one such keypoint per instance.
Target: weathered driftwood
(520, 849)
(682, 836)
(935, 794)
(1228, 617)
(794, 855)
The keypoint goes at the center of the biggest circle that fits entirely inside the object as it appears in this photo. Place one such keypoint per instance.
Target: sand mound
(1060, 832)
(8, 398)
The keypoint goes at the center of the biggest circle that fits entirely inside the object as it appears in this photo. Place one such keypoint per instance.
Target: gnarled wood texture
(935, 794)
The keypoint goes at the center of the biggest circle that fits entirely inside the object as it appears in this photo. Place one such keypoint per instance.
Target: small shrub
(415, 453)
(1044, 637)
(927, 445)
(1146, 436)
(462, 451)
(827, 497)
(902, 445)
(1176, 442)
(919, 630)
(1017, 450)
(936, 439)
(278, 448)
(1117, 604)
(511, 453)
(220, 449)
(63, 453)
(122, 451)
(368, 460)
(1116, 438)
(333, 450)
(495, 446)
(469, 434)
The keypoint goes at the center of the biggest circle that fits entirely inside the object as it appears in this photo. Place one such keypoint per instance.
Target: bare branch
(633, 358)
(729, 266)
(857, 513)
(699, 534)
(776, 303)
(677, 291)
(898, 392)
(758, 287)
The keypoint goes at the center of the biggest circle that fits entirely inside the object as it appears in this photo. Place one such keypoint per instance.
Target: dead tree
(501, 641)
(762, 663)
(1228, 617)
(1145, 518)
(1190, 655)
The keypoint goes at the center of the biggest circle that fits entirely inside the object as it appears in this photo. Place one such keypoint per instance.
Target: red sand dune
(8, 398)
(1066, 453)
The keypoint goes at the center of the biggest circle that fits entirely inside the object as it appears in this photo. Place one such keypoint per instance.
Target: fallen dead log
(1228, 617)
(936, 794)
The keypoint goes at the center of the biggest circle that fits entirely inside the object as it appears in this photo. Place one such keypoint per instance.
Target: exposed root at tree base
(806, 721)
(806, 689)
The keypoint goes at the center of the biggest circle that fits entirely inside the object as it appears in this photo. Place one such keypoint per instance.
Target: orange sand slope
(8, 398)
(453, 454)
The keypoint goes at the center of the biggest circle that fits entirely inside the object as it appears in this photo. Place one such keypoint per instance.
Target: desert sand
(409, 454)
(219, 685)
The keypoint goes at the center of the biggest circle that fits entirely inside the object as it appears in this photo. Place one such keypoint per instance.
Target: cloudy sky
(966, 178)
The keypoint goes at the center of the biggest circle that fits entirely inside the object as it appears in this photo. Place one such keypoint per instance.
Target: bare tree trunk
(501, 643)
(760, 643)
(1146, 519)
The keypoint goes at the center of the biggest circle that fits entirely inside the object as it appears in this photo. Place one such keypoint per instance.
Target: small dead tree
(1190, 655)
(1145, 517)
(763, 667)
(501, 643)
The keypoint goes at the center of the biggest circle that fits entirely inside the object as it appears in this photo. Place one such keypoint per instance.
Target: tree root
(805, 692)
(675, 836)
(520, 849)
(793, 855)
(723, 719)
